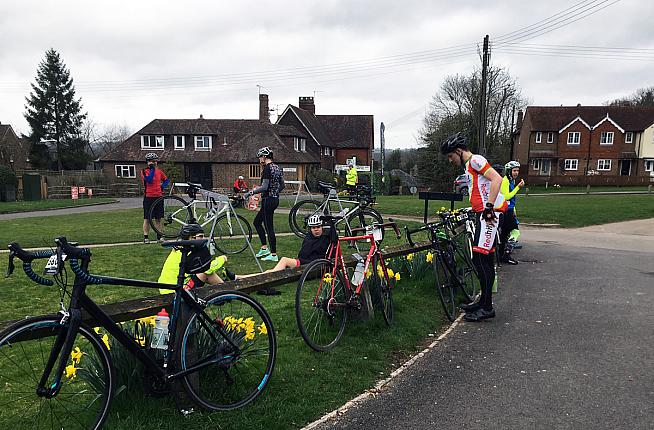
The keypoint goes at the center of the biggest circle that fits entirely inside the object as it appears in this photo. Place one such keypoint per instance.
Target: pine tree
(55, 115)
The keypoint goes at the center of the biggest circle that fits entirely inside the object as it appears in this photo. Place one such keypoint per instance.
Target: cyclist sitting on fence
(314, 246)
(215, 273)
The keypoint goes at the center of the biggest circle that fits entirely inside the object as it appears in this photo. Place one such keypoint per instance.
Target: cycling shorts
(485, 234)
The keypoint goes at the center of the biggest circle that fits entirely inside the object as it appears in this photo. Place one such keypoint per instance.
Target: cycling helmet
(510, 166)
(453, 142)
(190, 230)
(150, 156)
(265, 152)
(314, 221)
(198, 260)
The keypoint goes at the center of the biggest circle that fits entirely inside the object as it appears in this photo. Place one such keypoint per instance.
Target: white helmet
(510, 166)
(314, 221)
(265, 152)
(151, 156)
(240, 177)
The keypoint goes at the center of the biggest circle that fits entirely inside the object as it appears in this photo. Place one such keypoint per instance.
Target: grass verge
(44, 205)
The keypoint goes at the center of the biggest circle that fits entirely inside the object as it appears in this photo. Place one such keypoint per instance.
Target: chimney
(264, 113)
(518, 124)
(201, 117)
(306, 103)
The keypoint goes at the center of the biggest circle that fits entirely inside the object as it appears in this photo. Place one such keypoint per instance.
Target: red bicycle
(325, 292)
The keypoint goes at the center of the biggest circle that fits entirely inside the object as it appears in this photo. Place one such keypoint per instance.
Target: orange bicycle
(325, 292)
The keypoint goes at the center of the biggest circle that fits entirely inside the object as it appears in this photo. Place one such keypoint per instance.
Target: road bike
(354, 210)
(230, 232)
(326, 292)
(451, 241)
(56, 371)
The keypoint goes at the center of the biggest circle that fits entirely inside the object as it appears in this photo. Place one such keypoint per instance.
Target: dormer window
(179, 143)
(203, 143)
(152, 142)
(629, 137)
(539, 137)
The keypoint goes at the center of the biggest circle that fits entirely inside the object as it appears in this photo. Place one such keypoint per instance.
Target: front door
(625, 167)
(545, 165)
(199, 173)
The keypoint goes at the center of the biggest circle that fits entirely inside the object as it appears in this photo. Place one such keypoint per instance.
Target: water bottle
(357, 276)
(160, 333)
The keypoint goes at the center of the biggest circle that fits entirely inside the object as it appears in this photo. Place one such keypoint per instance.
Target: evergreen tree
(55, 115)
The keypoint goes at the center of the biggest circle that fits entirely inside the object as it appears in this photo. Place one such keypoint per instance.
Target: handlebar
(432, 228)
(27, 257)
(391, 223)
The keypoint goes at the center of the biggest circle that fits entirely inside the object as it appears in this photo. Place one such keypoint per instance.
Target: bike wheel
(176, 214)
(86, 386)
(382, 286)
(228, 236)
(229, 374)
(465, 268)
(300, 212)
(444, 285)
(359, 218)
(321, 315)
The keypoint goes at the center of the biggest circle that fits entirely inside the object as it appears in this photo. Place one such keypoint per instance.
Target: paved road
(572, 347)
(123, 203)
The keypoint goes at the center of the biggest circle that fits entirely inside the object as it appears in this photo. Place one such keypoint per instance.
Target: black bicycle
(451, 261)
(56, 371)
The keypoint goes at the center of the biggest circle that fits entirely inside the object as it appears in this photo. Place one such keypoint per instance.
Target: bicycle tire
(227, 234)
(177, 214)
(444, 286)
(298, 215)
(465, 267)
(321, 323)
(362, 217)
(382, 286)
(85, 396)
(235, 380)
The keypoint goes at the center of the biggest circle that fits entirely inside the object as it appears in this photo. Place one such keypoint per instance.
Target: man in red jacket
(154, 181)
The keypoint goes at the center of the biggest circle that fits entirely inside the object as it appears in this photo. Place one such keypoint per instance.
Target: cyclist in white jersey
(487, 201)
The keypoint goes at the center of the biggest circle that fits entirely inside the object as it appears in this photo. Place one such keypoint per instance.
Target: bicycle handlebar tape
(408, 236)
(27, 268)
(84, 276)
(72, 251)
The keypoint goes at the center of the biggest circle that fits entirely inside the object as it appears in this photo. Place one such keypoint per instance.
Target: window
(539, 137)
(296, 143)
(125, 171)
(649, 165)
(203, 143)
(328, 151)
(255, 171)
(550, 137)
(574, 137)
(571, 164)
(152, 142)
(179, 142)
(303, 145)
(604, 165)
(606, 138)
(629, 137)
(535, 163)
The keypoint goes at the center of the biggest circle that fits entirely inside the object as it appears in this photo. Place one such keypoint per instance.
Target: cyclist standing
(509, 220)
(486, 201)
(272, 183)
(154, 181)
(351, 178)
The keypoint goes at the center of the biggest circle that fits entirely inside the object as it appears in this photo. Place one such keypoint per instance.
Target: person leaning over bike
(509, 221)
(486, 200)
(272, 183)
(154, 181)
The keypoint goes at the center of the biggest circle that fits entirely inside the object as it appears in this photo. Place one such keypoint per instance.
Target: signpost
(74, 193)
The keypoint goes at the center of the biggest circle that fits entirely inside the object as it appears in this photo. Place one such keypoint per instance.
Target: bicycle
(325, 292)
(452, 259)
(359, 214)
(228, 236)
(56, 371)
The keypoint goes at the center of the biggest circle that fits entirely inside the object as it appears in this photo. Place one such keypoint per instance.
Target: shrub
(313, 177)
(7, 176)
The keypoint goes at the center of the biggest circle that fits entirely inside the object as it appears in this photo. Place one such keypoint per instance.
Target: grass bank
(44, 205)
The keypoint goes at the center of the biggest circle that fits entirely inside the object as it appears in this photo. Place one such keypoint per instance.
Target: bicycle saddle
(325, 187)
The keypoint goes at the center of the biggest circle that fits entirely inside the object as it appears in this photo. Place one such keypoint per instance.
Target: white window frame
(601, 164)
(539, 137)
(303, 145)
(629, 137)
(130, 168)
(649, 165)
(571, 164)
(328, 151)
(202, 140)
(606, 138)
(176, 140)
(152, 142)
(535, 163)
(296, 143)
(572, 136)
(550, 137)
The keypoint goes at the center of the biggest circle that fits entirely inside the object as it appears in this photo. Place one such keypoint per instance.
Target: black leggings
(485, 265)
(508, 222)
(263, 222)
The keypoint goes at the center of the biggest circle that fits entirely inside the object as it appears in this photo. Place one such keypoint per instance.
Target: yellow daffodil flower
(430, 257)
(96, 329)
(249, 335)
(327, 278)
(105, 339)
(76, 355)
(390, 273)
(397, 276)
(263, 329)
(409, 257)
(71, 371)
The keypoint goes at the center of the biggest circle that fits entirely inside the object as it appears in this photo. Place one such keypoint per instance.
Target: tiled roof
(553, 118)
(349, 131)
(313, 125)
(233, 141)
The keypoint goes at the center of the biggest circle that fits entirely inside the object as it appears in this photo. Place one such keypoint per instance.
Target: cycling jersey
(274, 174)
(170, 269)
(509, 190)
(154, 180)
(479, 185)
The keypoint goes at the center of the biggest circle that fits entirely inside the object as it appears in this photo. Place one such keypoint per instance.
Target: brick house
(14, 151)
(584, 144)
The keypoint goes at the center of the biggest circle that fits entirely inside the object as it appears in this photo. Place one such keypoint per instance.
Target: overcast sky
(133, 61)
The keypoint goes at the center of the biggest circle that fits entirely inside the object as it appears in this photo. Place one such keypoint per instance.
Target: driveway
(123, 203)
(572, 346)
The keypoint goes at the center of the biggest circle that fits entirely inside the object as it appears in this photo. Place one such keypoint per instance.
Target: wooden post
(588, 189)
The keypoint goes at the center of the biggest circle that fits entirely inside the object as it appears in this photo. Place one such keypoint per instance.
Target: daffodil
(430, 257)
(327, 278)
(263, 329)
(249, 334)
(96, 329)
(76, 355)
(71, 371)
(368, 273)
(105, 339)
(409, 257)
(397, 276)
(390, 273)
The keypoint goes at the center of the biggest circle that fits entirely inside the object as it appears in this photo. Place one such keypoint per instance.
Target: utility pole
(382, 147)
(482, 102)
(511, 134)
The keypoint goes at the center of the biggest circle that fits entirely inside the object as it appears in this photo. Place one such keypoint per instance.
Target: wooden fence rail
(139, 308)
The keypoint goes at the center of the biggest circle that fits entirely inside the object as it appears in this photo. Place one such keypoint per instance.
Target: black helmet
(453, 142)
(190, 230)
(198, 260)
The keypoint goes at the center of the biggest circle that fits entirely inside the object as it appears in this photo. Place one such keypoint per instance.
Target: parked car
(461, 184)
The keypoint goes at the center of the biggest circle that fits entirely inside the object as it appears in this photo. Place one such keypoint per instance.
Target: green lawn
(43, 205)
(582, 189)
